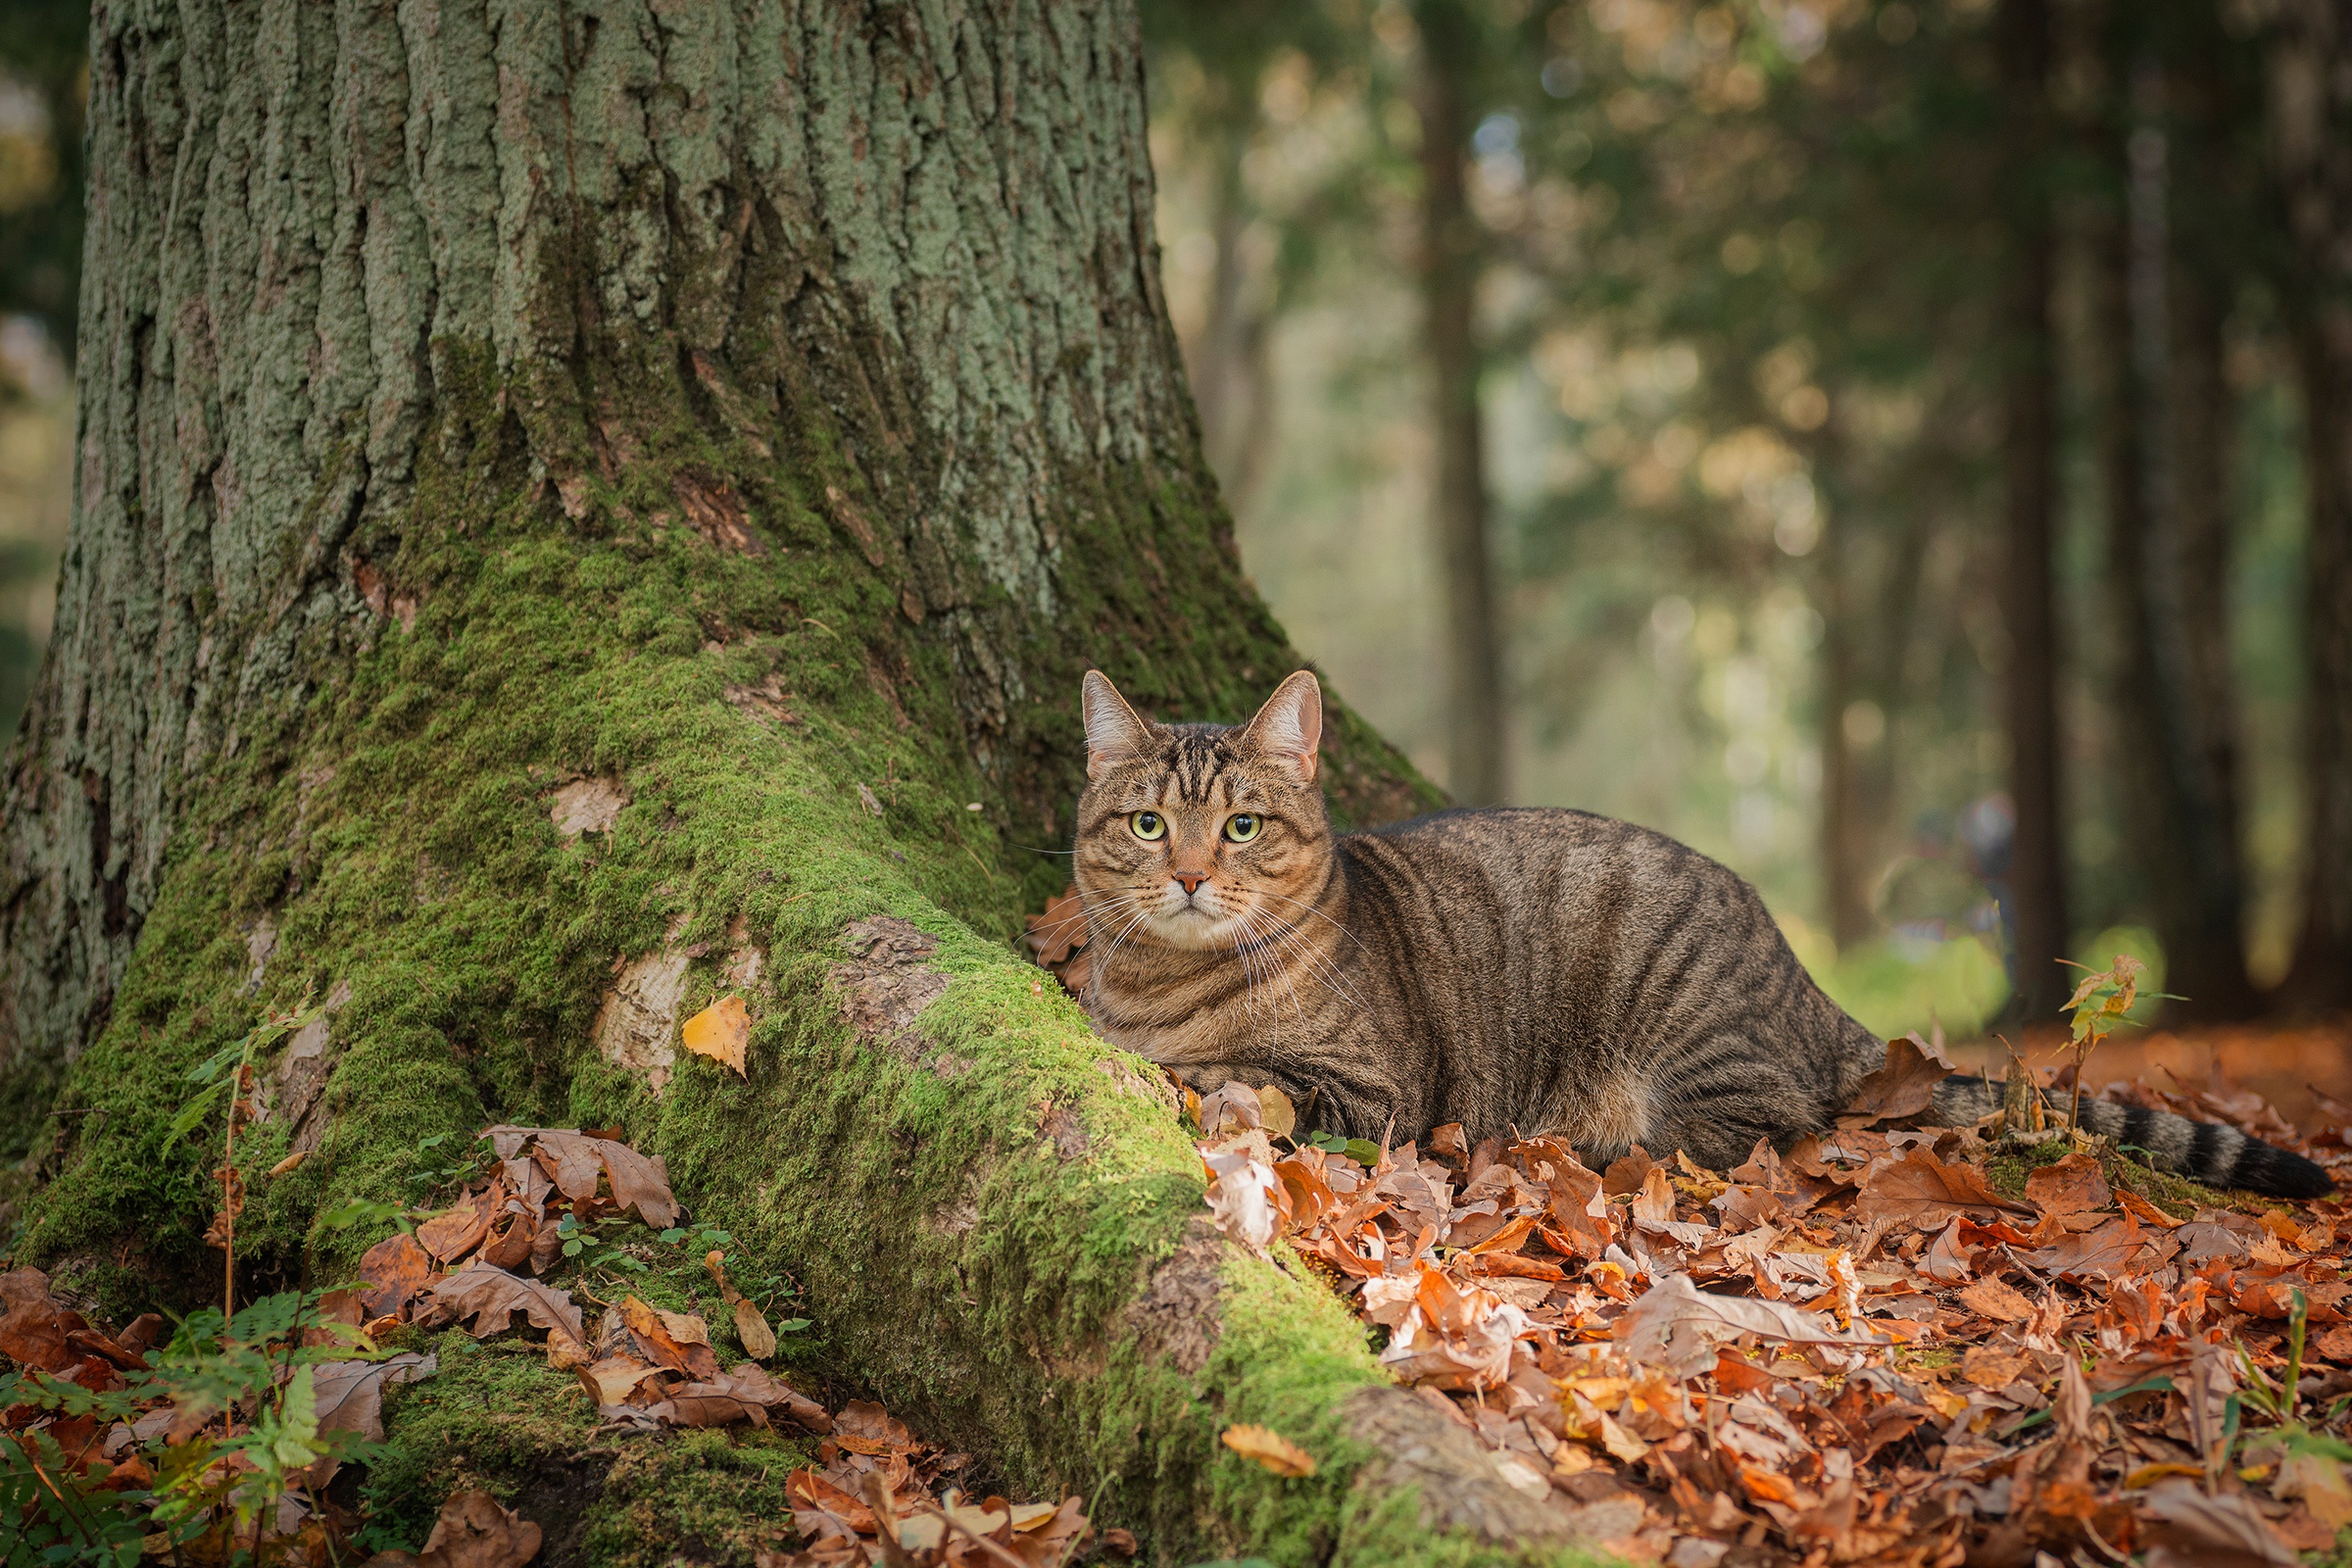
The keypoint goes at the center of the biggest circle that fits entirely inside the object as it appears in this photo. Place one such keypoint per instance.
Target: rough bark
(1449, 259)
(749, 419)
(2036, 882)
(2311, 98)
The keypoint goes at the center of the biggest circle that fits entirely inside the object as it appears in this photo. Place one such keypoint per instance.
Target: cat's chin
(1196, 930)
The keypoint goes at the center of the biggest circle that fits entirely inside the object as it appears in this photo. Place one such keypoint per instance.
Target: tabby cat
(1547, 972)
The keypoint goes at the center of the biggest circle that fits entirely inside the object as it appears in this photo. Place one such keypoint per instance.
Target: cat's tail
(2201, 1150)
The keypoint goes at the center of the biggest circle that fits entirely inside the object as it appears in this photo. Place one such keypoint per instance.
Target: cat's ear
(1290, 727)
(1114, 733)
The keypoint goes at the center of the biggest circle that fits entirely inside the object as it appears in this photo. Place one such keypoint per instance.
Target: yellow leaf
(720, 1031)
(1280, 1115)
(1270, 1449)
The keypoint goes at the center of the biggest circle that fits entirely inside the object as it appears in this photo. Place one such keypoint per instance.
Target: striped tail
(2201, 1150)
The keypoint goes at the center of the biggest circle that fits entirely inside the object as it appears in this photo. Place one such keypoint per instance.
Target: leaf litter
(1891, 1346)
(876, 1494)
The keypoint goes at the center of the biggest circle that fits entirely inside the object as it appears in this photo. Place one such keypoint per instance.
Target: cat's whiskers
(1287, 934)
(1275, 947)
(1099, 970)
(1320, 915)
(1269, 949)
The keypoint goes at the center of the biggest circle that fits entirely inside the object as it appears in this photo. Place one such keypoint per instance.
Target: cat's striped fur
(1538, 970)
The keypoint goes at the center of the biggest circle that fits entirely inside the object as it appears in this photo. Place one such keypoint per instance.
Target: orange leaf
(720, 1032)
(1270, 1449)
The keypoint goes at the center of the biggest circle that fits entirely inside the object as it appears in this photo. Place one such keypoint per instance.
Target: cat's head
(1201, 836)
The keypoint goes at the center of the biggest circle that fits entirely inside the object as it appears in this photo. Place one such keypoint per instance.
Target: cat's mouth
(1200, 919)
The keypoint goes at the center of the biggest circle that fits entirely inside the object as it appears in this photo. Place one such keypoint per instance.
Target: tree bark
(2310, 111)
(1449, 261)
(2037, 881)
(577, 510)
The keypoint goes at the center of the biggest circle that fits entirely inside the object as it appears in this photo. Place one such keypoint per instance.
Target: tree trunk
(2312, 120)
(1449, 255)
(576, 508)
(2035, 900)
(2175, 807)
(2190, 566)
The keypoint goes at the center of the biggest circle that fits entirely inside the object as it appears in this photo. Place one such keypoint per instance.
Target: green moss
(495, 1417)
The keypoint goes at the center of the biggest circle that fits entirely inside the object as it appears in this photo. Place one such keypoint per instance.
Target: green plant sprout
(2103, 1000)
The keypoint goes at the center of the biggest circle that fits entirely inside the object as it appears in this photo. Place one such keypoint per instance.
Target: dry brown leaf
(455, 1232)
(2141, 1208)
(34, 1330)
(1903, 1085)
(2185, 1528)
(1997, 1300)
(1920, 1189)
(491, 1297)
(2073, 1186)
(1059, 931)
(750, 1328)
(397, 1269)
(1280, 1115)
(474, 1532)
(1678, 1326)
(351, 1393)
(2319, 1482)
(720, 1032)
(614, 1379)
(1269, 1449)
(656, 1343)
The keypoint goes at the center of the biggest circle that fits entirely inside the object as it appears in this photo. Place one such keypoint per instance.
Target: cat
(1513, 971)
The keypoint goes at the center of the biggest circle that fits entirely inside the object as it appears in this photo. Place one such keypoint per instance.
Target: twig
(953, 1523)
(885, 1521)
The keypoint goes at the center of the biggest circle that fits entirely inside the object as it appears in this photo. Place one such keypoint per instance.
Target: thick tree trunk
(1450, 255)
(577, 507)
(2312, 119)
(2036, 880)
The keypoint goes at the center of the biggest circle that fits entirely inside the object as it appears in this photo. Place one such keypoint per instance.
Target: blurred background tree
(1900, 446)
(1893, 446)
(42, 87)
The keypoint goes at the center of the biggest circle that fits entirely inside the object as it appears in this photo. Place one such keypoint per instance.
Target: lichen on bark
(577, 493)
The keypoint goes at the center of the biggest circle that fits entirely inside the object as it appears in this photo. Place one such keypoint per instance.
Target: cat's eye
(1148, 825)
(1242, 826)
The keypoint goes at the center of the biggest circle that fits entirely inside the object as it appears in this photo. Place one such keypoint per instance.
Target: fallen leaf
(2071, 1186)
(1997, 1300)
(656, 1343)
(1281, 1117)
(612, 1380)
(2139, 1207)
(455, 1232)
(1270, 1449)
(1059, 931)
(1678, 1326)
(2319, 1481)
(1921, 1190)
(34, 1330)
(1902, 1086)
(2184, 1528)
(491, 1297)
(750, 1328)
(720, 1032)
(397, 1269)
(351, 1393)
(474, 1532)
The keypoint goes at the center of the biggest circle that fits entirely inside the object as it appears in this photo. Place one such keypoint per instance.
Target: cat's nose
(1191, 880)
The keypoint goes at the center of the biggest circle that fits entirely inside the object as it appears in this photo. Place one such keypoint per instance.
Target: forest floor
(1892, 1345)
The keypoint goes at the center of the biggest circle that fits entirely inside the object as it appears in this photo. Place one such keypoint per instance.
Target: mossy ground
(2177, 1196)
(390, 822)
